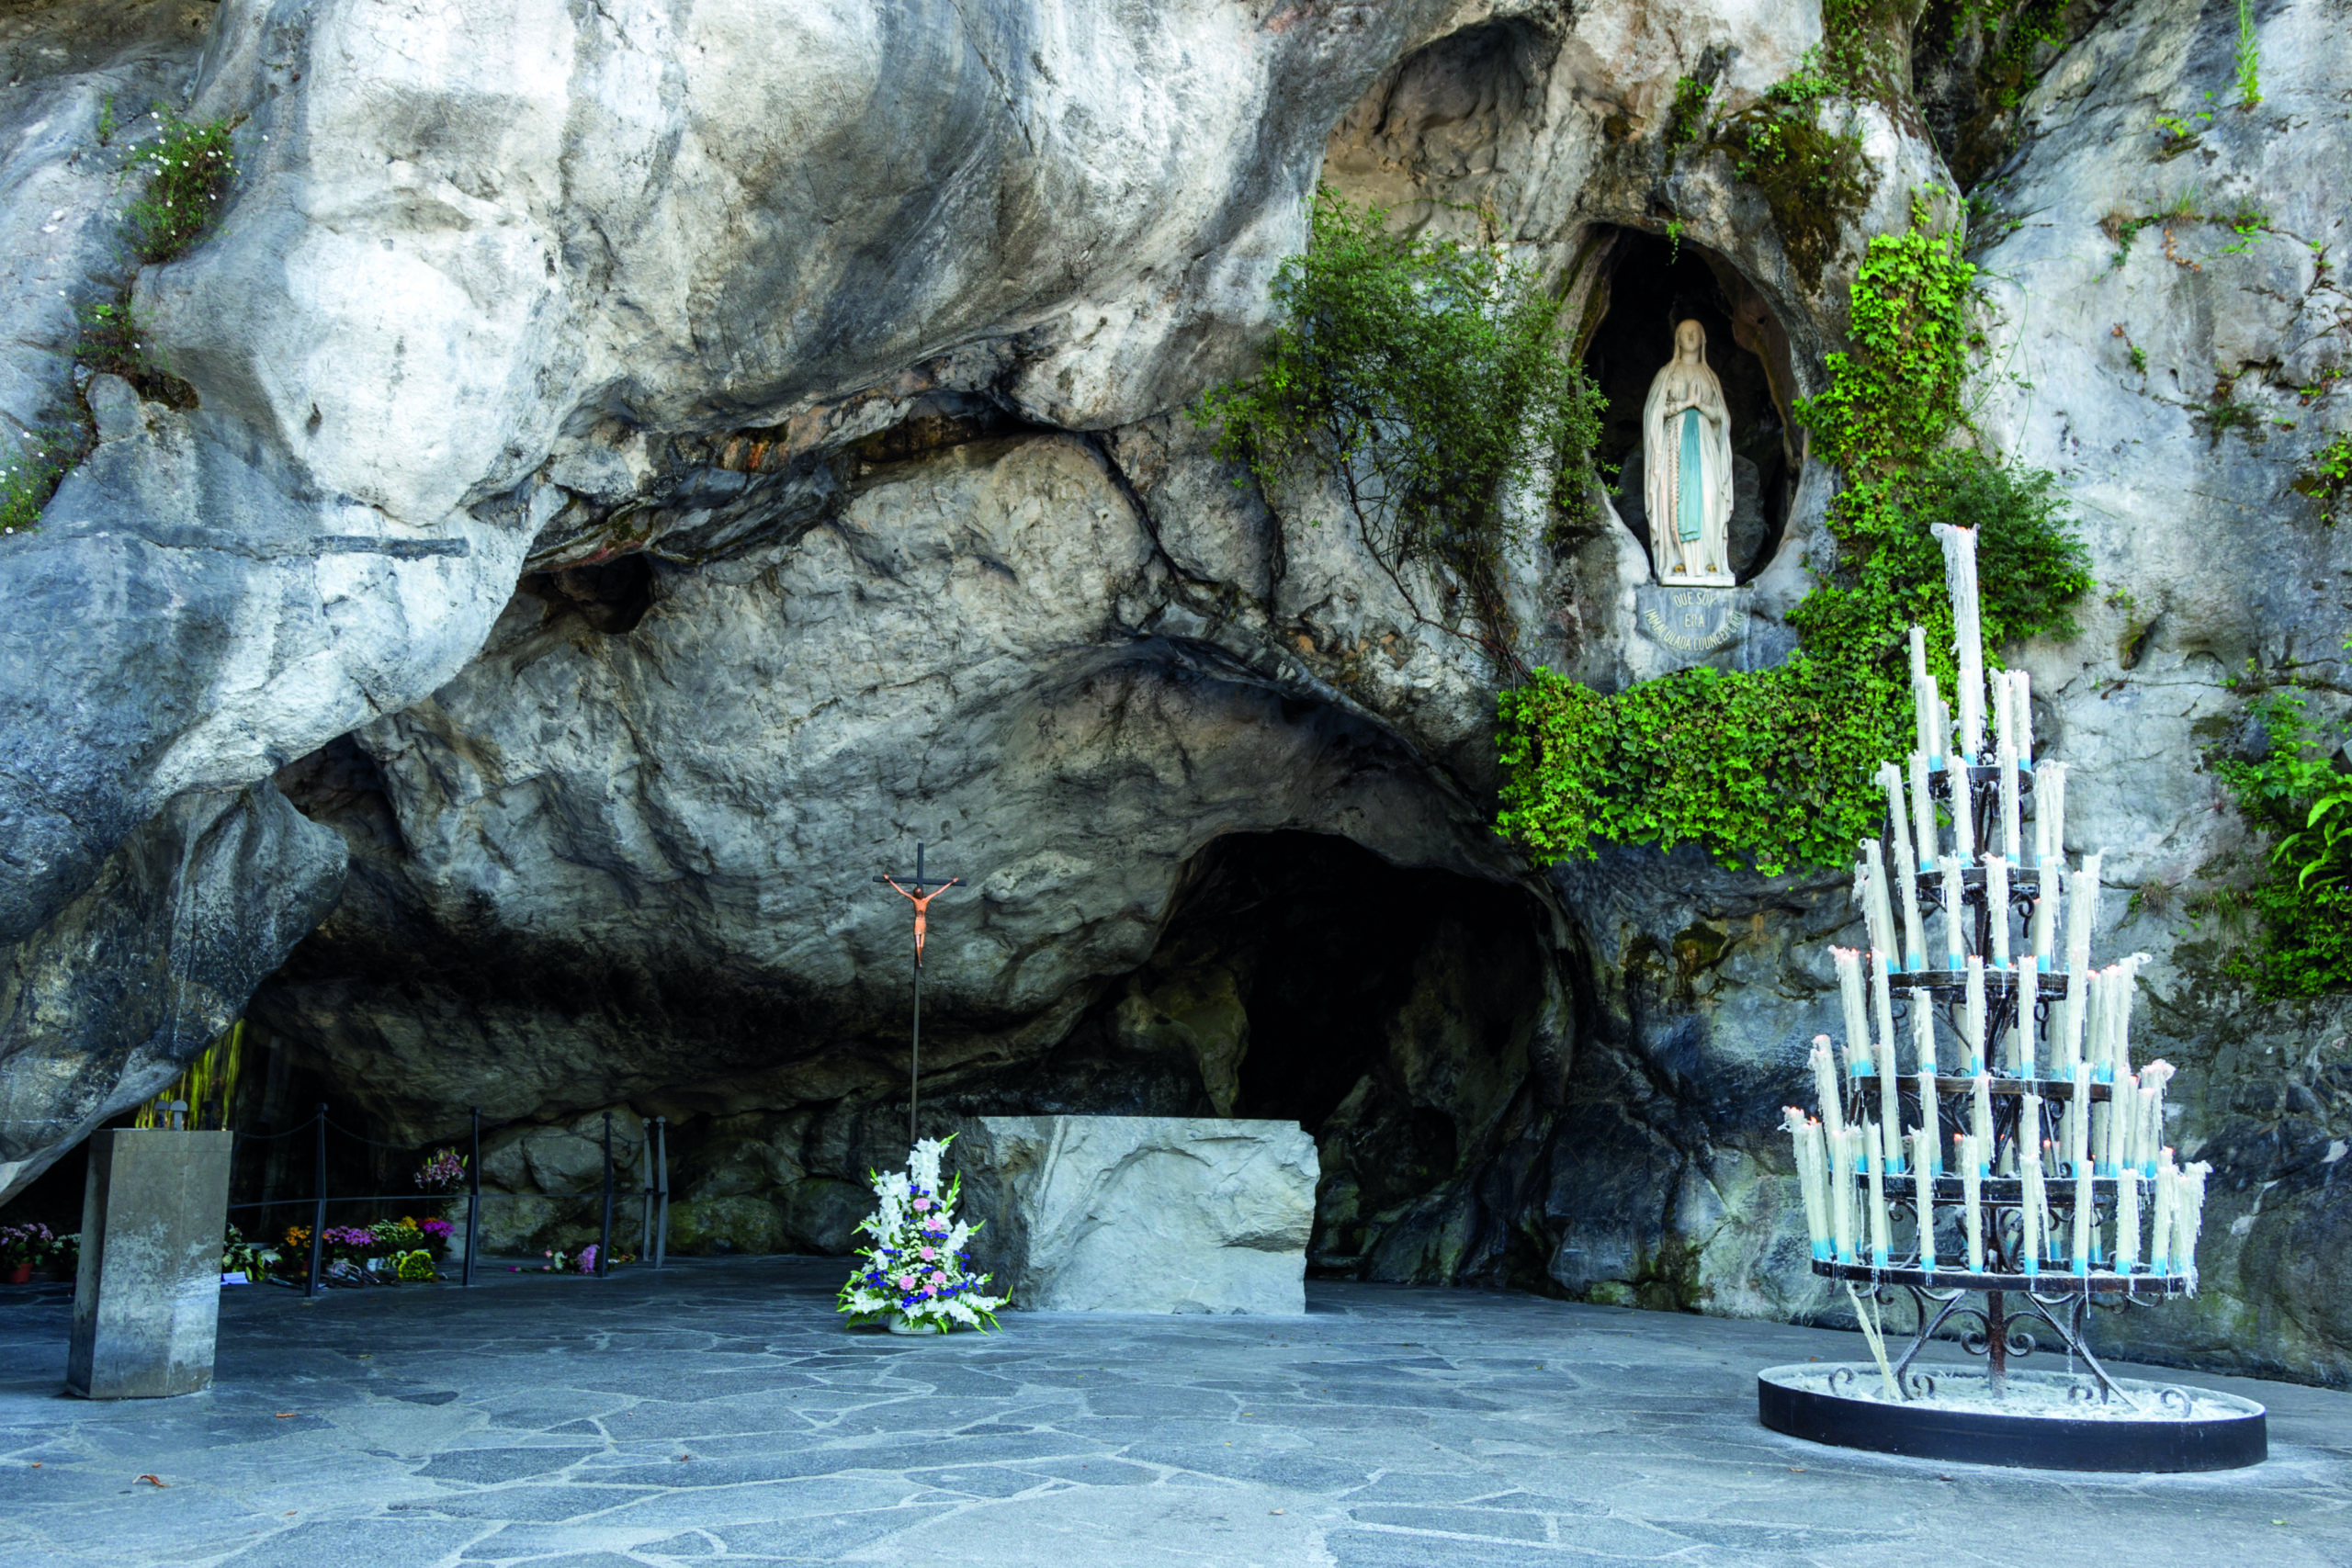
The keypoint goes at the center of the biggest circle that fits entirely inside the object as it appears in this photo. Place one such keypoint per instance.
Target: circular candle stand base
(2040, 1420)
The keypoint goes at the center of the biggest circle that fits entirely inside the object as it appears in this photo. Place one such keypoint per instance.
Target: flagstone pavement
(717, 1413)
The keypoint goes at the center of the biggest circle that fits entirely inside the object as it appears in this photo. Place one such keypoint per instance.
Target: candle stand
(2017, 1199)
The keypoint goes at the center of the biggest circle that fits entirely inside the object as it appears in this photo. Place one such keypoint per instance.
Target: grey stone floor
(718, 1413)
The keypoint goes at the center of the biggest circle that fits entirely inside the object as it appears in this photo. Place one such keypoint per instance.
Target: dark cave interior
(1301, 977)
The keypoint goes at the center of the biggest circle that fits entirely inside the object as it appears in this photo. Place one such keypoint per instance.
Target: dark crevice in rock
(610, 595)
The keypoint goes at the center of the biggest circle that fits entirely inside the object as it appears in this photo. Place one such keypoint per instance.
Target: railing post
(661, 1182)
(473, 1200)
(645, 1188)
(317, 1205)
(605, 1236)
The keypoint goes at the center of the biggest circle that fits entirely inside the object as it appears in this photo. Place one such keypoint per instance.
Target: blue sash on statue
(1688, 509)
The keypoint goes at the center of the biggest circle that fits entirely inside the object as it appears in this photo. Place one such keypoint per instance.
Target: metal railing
(653, 1217)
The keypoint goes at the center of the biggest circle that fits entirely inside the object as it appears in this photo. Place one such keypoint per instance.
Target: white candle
(2127, 1221)
(1924, 838)
(1882, 1008)
(2188, 1219)
(1923, 712)
(2078, 1149)
(1805, 1137)
(2125, 991)
(2007, 755)
(2030, 1163)
(2046, 884)
(2147, 1130)
(1898, 813)
(1824, 1088)
(2069, 1051)
(1972, 1014)
(1890, 1097)
(2123, 1118)
(1880, 1240)
(2082, 910)
(1972, 1162)
(1849, 992)
(2049, 800)
(1841, 1191)
(2086, 1215)
(2152, 1078)
(1883, 934)
(1968, 640)
(2021, 714)
(1997, 910)
(1980, 1124)
(2160, 1234)
(1923, 1160)
(1914, 933)
(1923, 1034)
(2024, 1031)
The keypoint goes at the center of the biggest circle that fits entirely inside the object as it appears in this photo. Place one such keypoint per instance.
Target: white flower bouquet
(915, 1277)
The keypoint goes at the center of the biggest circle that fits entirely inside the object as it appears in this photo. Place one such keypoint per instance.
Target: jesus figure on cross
(922, 901)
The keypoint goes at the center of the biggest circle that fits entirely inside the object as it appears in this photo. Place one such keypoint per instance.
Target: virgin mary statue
(1686, 467)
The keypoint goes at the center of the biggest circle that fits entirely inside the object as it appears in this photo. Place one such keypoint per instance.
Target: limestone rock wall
(651, 465)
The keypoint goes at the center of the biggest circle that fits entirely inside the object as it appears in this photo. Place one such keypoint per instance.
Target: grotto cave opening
(1644, 284)
(1299, 977)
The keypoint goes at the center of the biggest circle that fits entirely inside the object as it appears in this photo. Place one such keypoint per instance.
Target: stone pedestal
(1140, 1214)
(148, 1297)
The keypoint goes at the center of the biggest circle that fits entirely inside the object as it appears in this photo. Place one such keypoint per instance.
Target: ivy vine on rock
(1772, 769)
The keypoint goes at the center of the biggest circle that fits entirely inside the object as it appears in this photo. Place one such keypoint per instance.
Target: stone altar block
(1140, 1214)
(147, 1300)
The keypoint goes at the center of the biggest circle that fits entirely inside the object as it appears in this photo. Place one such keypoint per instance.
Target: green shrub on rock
(1429, 378)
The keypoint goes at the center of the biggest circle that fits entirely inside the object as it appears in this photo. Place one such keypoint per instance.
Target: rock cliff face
(651, 466)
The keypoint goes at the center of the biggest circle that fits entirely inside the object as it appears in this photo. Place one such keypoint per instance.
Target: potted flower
(914, 1279)
(248, 1261)
(63, 1260)
(20, 1247)
(436, 1234)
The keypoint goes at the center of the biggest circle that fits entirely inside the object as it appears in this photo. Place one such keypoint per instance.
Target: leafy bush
(1773, 768)
(2302, 903)
(188, 170)
(1429, 376)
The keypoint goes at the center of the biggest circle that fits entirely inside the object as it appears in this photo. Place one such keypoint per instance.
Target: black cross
(913, 889)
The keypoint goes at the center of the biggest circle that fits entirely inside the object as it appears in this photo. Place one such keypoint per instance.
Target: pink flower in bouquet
(929, 1253)
(937, 1279)
(906, 1282)
(920, 1204)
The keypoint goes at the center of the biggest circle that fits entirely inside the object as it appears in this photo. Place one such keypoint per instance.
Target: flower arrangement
(436, 1234)
(442, 1171)
(914, 1277)
(415, 1266)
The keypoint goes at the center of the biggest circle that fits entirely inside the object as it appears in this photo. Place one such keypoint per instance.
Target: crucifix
(914, 891)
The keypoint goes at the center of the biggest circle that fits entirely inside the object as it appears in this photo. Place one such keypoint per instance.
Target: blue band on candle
(1878, 1257)
(2082, 1265)
(2040, 964)
(2032, 1264)
(1955, 961)
(1928, 1259)
(1821, 1250)
(1844, 1254)
(1927, 867)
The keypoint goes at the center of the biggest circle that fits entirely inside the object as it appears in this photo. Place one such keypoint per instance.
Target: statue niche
(1686, 468)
